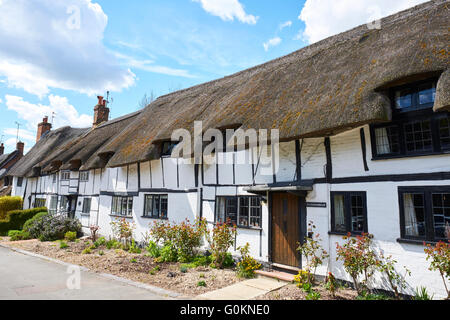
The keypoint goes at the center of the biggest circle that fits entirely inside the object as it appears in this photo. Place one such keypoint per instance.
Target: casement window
(349, 212)
(65, 175)
(243, 211)
(415, 128)
(425, 213)
(156, 206)
(84, 176)
(53, 204)
(63, 205)
(39, 202)
(167, 148)
(86, 206)
(54, 177)
(122, 206)
(19, 182)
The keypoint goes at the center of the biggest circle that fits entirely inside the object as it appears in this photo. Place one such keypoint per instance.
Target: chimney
(2, 149)
(101, 112)
(20, 147)
(43, 127)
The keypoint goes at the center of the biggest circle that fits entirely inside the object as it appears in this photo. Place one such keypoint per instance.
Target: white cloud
(324, 18)
(32, 114)
(228, 10)
(149, 66)
(272, 43)
(57, 44)
(285, 25)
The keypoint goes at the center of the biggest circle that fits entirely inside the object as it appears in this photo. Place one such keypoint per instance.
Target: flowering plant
(123, 230)
(220, 240)
(440, 260)
(247, 265)
(359, 259)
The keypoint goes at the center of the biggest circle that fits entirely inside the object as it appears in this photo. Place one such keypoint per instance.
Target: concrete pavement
(24, 277)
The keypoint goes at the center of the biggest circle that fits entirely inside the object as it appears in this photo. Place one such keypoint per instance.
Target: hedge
(16, 219)
(8, 204)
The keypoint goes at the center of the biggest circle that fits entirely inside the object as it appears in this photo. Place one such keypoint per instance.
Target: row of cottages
(7, 161)
(364, 130)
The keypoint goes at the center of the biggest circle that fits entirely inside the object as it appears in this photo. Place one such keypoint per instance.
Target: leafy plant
(422, 294)
(123, 230)
(440, 261)
(155, 270)
(370, 296)
(153, 250)
(133, 260)
(70, 236)
(183, 269)
(359, 259)
(302, 278)
(87, 251)
(29, 222)
(247, 265)
(313, 252)
(100, 242)
(63, 245)
(168, 253)
(101, 253)
(222, 238)
(313, 295)
(8, 204)
(134, 248)
(331, 284)
(201, 283)
(18, 235)
(15, 220)
(113, 244)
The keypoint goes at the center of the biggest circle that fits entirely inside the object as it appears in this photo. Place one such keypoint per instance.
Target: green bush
(17, 235)
(8, 204)
(63, 245)
(27, 224)
(53, 227)
(70, 236)
(100, 242)
(168, 253)
(15, 220)
(153, 250)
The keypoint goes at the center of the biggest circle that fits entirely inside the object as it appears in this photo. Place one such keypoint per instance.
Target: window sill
(121, 217)
(344, 234)
(153, 218)
(249, 228)
(85, 214)
(417, 242)
(401, 156)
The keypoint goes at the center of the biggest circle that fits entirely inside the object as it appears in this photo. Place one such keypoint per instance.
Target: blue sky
(67, 52)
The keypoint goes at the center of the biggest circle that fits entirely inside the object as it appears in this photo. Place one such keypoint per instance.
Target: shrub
(87, 251)
(440, 261)
(331, 284)
(183, 269)
(29, 222)
(168, 253)
(134, 248)
(54, 227)
(16, 219)
(313, 295)
(370, 296)
(220, 241)
(359, 259)
(70, 236)
(153, 250)
(302, 278)
(247, 265)
(313, 253)
(17, 235)
(8, 204)
(113, 244)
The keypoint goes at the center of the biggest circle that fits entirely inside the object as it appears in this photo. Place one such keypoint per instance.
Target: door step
(282, 276)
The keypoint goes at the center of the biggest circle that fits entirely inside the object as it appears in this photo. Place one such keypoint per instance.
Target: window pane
(231, 210)
(387, 140)
(403, 99)
(357, 208)
(339, 216)
(441, 214)
(164, 205)
(168, 147)
(86, 205)
(418, 136)
(221, 210)
(156, 206)
(427, 93)
(414, 214)
(244, 211)
(444, 132)
(148, 206)
(129, 212)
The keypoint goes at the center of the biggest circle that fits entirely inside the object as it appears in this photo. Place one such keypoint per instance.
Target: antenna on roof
(1, 139)
(18, 128)
(109, 100)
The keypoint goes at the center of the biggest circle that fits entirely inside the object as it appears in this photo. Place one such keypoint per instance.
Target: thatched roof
(320, 90)
(44, 150)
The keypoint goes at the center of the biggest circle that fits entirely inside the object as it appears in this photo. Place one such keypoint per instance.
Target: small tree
(397, 282)
(440, 260)
(220, 241)
(359, 259)
(313, 252)
(123, 230)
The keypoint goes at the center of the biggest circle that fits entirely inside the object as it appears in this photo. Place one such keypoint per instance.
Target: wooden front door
(285, 229)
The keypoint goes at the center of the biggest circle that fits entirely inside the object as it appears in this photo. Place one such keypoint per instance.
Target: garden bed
(292, 292)
(136, 267)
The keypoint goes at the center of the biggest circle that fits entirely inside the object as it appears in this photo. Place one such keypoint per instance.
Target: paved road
(25, 277)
